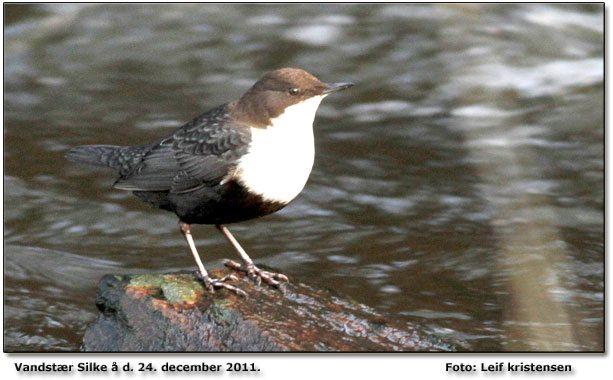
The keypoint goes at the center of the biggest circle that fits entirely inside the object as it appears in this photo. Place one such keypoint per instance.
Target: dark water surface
(459, 185)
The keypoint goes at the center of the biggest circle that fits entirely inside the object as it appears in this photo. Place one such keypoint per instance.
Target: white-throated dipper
(236, 162)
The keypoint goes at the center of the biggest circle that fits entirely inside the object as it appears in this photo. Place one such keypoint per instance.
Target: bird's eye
(294, 91)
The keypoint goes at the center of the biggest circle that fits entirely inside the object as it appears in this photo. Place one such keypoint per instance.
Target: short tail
(99, 155)
(121, 158)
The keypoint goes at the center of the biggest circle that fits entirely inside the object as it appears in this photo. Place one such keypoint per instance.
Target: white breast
(280, 158)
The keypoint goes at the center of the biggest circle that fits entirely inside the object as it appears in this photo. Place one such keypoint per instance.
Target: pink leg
(209, 283)
(249, 267)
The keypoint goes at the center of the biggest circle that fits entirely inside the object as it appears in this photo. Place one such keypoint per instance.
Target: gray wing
(201, 153)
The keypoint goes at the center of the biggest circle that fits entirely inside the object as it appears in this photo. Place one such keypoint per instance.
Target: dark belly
(222, 204)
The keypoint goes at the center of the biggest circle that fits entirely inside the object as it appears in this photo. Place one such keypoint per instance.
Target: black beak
(334, 87)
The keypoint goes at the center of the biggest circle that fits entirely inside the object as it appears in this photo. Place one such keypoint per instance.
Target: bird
(241, 160)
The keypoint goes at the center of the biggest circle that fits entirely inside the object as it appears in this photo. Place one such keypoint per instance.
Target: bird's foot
(258, 275)
(211, 283)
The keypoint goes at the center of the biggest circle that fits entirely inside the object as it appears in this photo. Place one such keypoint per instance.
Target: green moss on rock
(175, 288)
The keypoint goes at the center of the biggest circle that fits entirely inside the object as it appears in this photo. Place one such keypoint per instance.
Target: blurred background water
(458, 186)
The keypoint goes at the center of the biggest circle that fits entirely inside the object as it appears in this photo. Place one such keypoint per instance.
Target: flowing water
(458, 186)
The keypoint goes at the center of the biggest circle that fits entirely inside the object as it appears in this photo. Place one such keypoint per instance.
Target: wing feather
(201, 153)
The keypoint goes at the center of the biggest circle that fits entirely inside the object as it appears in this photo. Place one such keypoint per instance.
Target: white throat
(280, 158)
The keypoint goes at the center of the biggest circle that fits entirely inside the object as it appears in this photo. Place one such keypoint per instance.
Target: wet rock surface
(173, 312)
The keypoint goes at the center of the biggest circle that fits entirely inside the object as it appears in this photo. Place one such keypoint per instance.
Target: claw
(210, 284)
(257, 274)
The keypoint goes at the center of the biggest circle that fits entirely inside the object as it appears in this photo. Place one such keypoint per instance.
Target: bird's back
(202, 152)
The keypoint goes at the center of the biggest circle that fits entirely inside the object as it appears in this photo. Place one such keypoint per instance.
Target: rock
(173, 312)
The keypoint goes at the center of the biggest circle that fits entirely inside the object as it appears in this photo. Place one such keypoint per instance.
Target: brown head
(277, 90)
